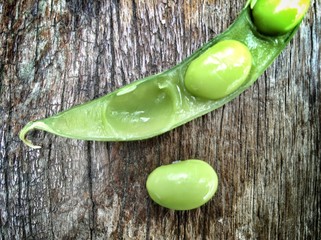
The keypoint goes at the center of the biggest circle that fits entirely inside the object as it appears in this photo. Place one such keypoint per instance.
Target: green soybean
(159, 103)
(219, 71)
(275, 17)
(182, 185)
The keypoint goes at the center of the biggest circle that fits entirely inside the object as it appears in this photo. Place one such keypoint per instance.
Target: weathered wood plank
(265, 145)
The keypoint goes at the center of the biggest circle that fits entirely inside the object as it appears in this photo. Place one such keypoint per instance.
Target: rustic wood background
(265, 145)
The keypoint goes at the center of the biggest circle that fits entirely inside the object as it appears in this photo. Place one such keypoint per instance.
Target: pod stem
(29, 127)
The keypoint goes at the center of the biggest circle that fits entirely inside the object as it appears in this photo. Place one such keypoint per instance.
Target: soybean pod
(212, 76)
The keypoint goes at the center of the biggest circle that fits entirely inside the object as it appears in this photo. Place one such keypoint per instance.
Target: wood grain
(265, 144)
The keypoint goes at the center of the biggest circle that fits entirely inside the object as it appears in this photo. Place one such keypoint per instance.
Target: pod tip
(23, 134)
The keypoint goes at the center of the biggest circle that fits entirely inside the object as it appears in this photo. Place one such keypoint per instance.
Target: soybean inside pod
(159, 103)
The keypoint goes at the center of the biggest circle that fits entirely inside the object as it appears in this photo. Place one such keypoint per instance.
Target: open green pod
(159, 103)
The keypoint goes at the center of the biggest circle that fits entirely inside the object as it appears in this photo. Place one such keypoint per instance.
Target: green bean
(182, 185)
(159, 103)
(219, 71)
(276, 17)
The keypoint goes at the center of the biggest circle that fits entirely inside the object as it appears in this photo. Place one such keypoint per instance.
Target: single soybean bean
(182, 185)
(159, 103)
(219, 71)
(275, 17)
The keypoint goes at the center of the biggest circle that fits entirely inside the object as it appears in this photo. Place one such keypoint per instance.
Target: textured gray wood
(265, 145)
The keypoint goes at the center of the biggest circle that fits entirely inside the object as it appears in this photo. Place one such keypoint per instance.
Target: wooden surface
(264, 145)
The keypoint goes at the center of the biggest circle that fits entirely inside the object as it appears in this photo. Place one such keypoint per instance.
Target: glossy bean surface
(276, 17)
(182, 185)
(219, 71)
